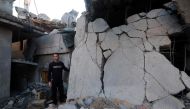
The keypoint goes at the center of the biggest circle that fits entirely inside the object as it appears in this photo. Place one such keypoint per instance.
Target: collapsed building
(129, 53)
(134, 54)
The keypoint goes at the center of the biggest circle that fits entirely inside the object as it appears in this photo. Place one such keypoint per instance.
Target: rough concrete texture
(5, 61)
(131, 69)
(168, 102)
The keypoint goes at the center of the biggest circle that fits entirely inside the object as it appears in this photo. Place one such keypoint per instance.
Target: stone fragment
(148, 46)
(159, 67)
(91, 45)
(90, 28)
(102, 36)
(159, 31)
(138, 42)
(111, 41)
(80, 30)
(107, 53)
(152, 23)
(132, 52)
(137, 34)
(123, 80)
(142, 14)
(169, 102)
(141, 25)
(127, 28)
(186, 79)
(67, 106)
(156, 13)
(82, 66)
(153, 89)
(158, 41)
(99, 25)
(133, 18)
(116, 30)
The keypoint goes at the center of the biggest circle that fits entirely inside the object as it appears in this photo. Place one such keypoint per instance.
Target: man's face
(55, 57)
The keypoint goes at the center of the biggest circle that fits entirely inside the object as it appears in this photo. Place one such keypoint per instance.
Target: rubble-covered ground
(34, 97)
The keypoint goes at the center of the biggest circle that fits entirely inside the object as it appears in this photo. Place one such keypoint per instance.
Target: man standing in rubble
(55, 78)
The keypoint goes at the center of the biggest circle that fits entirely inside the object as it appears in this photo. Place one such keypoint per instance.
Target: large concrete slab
(84, 79)
(169, 102)
(164, 72)
(123, 79)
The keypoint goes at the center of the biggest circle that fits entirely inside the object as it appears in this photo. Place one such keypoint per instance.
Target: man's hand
(49, 83)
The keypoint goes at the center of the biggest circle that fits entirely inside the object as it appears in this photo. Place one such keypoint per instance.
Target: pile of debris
(125, 62)
(35, 92)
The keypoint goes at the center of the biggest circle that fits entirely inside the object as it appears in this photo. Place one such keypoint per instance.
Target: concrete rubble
(125, 62)
(34, 97)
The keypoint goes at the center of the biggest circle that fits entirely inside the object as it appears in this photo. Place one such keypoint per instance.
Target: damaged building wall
(49, 44)
(125, 62)
(5, 61)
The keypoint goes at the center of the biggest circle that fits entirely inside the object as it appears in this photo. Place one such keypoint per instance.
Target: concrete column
(6, 6)
(5, 61)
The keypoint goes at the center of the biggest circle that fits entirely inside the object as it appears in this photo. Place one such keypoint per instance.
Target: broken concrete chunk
(152, 23)
(156, 13)
(169, 102)
(142, 14)
(82, 66)
(117, 30)
(111, 41)
(99, 25)
(102, 36)
(107, 53)
(91, 45)
(138, 42)
(137, 34)
(134, 54)
(186, 79)
(153, 89)
(158, 31)
(158, 41)
(133, 18)
(43, 17)
(127, 28)
(80, 30)
(148, 46)
(67, 106)
(123, 80)
(90, 28)
(159, 67)
(141, 25)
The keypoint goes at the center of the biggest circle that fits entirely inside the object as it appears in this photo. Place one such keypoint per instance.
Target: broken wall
(125, 62)
(5, 61)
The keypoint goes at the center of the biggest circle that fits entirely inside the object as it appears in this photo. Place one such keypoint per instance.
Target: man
(55, 78)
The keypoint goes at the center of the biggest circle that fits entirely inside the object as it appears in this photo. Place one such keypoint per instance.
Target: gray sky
(53, 8)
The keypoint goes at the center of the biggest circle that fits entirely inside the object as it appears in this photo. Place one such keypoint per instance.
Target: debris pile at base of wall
(35, 92)
(125, 63)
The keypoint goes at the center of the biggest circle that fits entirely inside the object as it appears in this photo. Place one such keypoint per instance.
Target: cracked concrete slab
(168, 102)
(159, 67)
(154, 90)
(82, 66)
(111, 41)
(123, 80)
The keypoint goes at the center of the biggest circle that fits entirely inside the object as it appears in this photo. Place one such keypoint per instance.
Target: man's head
(55, 57)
